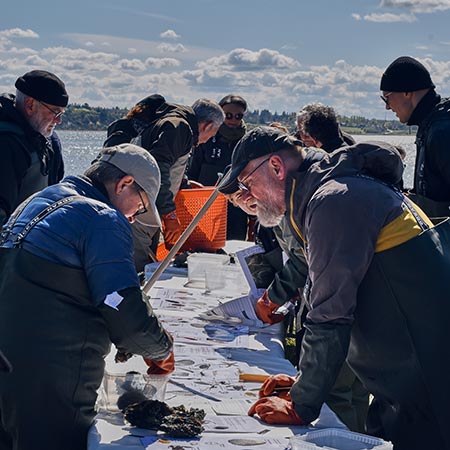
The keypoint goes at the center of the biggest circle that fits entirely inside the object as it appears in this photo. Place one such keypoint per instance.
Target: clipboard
(241, 255)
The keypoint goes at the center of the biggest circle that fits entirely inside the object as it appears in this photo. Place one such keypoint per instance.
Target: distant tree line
(85, 117)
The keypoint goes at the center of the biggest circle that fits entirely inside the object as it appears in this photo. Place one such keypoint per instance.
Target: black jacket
(210, 159)
(25, 160)
(432, 167)
(365, 296)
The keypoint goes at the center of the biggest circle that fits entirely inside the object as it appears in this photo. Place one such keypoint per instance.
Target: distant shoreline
(350, 131)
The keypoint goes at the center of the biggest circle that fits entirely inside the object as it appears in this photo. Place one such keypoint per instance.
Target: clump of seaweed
(183, 422)
(176, 422)
(147, 414)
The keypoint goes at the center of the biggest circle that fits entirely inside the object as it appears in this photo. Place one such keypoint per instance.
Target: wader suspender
(42, 215)
(408, 203)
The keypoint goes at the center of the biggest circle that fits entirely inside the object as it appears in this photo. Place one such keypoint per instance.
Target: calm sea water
(81, 147)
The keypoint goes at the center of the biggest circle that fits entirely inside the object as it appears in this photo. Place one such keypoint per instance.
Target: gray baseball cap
(137, 162)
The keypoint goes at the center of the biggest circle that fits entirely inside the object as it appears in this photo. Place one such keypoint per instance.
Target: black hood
(378, 160)
(8, 112)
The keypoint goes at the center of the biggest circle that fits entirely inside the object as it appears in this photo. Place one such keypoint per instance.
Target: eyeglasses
(385, 98)
(143, 209)
(237, 116)
(241, 184)
(56, 114)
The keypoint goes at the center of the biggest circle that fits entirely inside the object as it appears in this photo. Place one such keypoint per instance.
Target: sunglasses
(143, 209)
(237, 116)
(241, 185)
(385, 98)
(56, 114)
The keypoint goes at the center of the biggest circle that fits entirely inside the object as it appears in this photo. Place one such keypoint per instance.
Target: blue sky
(278, 55)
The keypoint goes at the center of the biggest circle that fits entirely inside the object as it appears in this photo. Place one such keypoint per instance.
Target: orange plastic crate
(210, 233)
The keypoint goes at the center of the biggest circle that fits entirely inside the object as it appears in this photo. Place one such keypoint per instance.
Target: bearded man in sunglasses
(214, 156)
(408, 91)
(27, 120)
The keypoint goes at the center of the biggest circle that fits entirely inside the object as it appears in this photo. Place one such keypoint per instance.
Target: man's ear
(30, 106)
(277, 166)
(124, 182)
(205, 126)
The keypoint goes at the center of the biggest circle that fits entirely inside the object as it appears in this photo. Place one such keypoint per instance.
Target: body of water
(81, 147)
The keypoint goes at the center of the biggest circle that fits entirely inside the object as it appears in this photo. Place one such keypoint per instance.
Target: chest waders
(56, 340)
(400, 339)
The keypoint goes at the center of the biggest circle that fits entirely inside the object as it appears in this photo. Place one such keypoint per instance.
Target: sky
(279, 55)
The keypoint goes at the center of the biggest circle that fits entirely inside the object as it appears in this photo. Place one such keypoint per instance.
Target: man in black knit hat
(407, 89)
(27, 120)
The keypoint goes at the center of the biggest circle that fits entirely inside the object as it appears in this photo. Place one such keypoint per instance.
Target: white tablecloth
(262, 353)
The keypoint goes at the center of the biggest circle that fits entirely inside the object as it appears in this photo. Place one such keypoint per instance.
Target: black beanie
(44, 86)
(405, 74)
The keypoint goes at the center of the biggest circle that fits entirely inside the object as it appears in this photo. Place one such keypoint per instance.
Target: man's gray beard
(35, 124)
(269, 214)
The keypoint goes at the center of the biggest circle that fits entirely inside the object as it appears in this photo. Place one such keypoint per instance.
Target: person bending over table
(69, 288)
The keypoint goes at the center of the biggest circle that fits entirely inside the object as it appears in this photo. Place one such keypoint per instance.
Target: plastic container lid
(334, 438)
(132, 387)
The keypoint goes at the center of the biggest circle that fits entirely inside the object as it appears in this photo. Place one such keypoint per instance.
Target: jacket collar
(424, 107)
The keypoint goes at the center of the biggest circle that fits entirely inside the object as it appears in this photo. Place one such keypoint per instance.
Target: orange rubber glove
(264, 309)
(163, 367)
(171, 228)
(270, 386)
(276, 410)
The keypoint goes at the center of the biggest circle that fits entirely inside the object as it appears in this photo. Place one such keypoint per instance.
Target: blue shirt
(88, 234)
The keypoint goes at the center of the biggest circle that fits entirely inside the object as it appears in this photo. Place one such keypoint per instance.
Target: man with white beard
(27, 120)
(365, 246)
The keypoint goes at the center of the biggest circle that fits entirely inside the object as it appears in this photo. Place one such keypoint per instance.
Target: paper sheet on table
(242, 308)
(233, 424)
(212, 442)
(195, 332)
(232, 407)
(202, 351)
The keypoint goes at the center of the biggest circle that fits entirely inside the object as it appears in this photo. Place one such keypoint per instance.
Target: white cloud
(169, 34)
(171, 48)
(19, 33)
(417, 6)
(248, 60)
(356, 16)
(134, 65)
(132, 51)
(159, 63)
(390, 18)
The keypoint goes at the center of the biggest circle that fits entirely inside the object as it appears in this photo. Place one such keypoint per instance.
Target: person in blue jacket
(69, 288)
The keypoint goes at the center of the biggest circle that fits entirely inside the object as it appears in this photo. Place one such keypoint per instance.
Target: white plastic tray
(336, 439)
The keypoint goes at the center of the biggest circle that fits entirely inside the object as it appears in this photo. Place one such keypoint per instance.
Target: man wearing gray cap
(407, 90)
(365, 245)
(69, 288)
(27, 120)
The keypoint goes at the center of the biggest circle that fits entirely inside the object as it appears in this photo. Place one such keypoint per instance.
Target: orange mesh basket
(210, 233)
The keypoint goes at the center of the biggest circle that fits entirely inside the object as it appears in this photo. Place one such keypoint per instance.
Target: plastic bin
(203, 266)
(335, 438)
(210, 234)
(131, 387)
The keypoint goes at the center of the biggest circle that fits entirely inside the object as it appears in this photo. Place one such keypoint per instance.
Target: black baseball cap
(256, 143)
